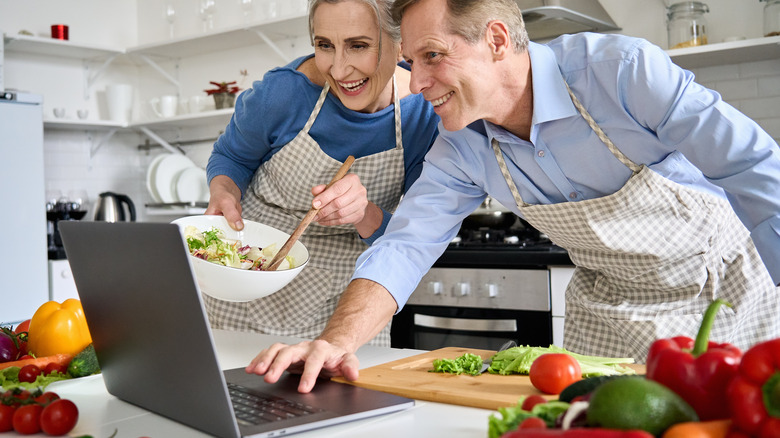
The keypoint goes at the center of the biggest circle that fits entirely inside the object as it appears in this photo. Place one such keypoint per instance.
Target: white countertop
(100, 413)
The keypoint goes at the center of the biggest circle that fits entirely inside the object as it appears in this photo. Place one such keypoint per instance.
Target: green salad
(212, 246)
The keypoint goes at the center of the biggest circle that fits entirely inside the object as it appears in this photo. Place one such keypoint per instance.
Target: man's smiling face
(452, 74)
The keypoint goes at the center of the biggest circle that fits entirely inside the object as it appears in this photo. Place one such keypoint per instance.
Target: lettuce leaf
(518, 360)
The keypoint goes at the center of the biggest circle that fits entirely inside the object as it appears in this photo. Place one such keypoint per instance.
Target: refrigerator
(24, 282)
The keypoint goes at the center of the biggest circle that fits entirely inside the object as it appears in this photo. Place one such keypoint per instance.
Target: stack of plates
(175, 178)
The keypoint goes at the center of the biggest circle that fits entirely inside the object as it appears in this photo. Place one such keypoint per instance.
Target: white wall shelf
(180, 121)
(226, 39)
(147, 127)
(735, 52)
(216, 41)
(55, 47)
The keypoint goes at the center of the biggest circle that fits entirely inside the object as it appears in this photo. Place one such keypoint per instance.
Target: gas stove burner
(516, 237)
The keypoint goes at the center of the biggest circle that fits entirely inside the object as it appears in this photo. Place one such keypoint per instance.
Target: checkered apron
(649, 259)
(280, 196)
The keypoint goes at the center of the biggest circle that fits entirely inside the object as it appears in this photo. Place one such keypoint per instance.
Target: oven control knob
(492, 290)
(462, 289)
(436, 287)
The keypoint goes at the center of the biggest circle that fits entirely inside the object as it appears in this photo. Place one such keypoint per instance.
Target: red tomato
(46, 398)
(6, 418)
(531, 401)
(532, 423)
(54, 367)
(59, 417)
(552, 372)
(16, 396)
(22, 327)
(27, 419)
(29, 373)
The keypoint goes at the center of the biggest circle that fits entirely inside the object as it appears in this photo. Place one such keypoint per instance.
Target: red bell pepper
(699, 371)
(579, 432)
(754, 394)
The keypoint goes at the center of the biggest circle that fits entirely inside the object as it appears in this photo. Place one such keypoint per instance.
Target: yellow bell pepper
(58, 329)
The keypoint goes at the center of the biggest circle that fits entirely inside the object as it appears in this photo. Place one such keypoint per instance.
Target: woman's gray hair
(469, 18)
(381, 8)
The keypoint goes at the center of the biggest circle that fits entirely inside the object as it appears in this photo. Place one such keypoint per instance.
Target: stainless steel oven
(491, 285)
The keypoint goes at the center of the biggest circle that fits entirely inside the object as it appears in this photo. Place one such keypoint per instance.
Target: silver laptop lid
(129, 302)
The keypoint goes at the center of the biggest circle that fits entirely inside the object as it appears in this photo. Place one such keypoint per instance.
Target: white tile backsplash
(751, 87)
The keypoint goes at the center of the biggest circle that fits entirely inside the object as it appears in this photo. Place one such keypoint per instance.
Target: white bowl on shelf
(234, 284)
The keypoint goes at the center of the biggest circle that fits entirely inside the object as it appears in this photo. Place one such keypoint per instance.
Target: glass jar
(686, 24)
(772, 18)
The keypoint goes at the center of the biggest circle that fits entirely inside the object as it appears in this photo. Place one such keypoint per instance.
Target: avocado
(634, 402)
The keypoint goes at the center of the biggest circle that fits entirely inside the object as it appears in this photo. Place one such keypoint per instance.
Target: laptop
(155, 347)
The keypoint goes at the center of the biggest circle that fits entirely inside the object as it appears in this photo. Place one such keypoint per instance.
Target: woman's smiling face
(347, 54)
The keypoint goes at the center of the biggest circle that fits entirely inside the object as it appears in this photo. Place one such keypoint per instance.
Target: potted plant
(224, 94)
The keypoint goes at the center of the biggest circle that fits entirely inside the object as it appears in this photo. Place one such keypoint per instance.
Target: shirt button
(541, 154)
(573, 195)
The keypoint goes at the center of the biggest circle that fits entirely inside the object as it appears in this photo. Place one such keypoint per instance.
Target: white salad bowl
(234, 284)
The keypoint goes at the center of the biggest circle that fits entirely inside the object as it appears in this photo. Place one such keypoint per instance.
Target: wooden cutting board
(410, 377)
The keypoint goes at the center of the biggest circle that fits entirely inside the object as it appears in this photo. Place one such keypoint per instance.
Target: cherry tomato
(6, 418)
(532, 423)
(552, 372)
(23, 327)
(25, 357)
(29, 373)
(59, 417)
(16, 396)
(27, 419)
(53, 367)
(531, 401)
(46, 398)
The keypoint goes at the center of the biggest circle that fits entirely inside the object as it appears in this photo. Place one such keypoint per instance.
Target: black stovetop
(518, 247)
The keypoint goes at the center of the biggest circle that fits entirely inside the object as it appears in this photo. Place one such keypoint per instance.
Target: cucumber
(582, 387)
(85, 363)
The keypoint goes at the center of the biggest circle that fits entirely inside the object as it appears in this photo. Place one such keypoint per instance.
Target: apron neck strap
(317, 107)
(601, 134)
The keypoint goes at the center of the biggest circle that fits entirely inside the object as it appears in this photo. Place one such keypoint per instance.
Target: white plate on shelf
(166, 173)
(191, 185)
(150, 177)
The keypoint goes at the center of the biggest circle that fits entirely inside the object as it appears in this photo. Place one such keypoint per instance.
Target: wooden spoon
(277, 260)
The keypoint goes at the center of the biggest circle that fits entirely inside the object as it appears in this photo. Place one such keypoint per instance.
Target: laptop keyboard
(254, 408)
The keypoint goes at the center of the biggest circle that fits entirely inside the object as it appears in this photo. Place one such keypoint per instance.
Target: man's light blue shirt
(651, 109)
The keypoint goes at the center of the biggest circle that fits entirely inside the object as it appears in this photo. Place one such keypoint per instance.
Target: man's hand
(309, 358)
(364, 309)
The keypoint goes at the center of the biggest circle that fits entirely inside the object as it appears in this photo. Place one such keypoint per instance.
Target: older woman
(291, 132)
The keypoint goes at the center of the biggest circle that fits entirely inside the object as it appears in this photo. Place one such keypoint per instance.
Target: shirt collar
(551, 99)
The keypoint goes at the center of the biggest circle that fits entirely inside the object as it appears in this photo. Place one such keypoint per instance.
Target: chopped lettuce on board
(517, 360)
(466, 364)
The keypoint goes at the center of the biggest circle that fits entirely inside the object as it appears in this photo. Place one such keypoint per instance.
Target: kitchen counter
(100, 413)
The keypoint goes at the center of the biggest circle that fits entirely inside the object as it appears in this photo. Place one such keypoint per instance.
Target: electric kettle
(109, 207)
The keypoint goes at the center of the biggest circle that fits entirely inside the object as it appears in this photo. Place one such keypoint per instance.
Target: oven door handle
(466, 324)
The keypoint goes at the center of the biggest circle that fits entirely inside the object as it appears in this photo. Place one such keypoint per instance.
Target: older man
(603, 144)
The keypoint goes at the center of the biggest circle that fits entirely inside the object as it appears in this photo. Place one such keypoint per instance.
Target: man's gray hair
(469, 18)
